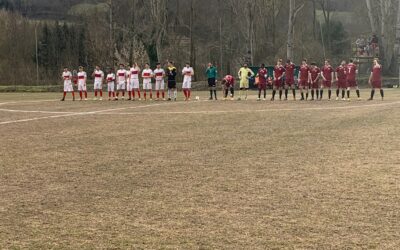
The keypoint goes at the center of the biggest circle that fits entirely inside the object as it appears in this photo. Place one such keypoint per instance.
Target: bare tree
(293, 11)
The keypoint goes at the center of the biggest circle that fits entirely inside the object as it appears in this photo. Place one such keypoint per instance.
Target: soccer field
(199, 175)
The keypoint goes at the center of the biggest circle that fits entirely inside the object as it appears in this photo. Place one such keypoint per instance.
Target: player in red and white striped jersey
(98, 75)
(111, 84)
(122, 76)
(159, 75)
(187, 73)
(82, 78)
(147, 74)
(67, 78)
(134, 86)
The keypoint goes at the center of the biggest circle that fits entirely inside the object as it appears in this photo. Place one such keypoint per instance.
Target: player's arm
(309, 77)
(252, 73)
(323, 76)
(240, 74)
(370, 78)
(283, 75)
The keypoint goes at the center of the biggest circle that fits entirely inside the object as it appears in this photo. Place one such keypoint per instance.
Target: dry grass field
(199, 175)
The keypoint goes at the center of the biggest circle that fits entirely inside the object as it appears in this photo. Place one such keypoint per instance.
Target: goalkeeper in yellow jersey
(245, 73)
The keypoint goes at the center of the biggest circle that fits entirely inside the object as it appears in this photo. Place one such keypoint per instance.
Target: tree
(293, 11)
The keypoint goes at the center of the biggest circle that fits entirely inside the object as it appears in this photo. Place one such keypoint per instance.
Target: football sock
(232, 92)
(189, 92)
(211, 94)
(273, 94)
(138, 92)
(358, 93)
(158, 94)
(185, 93)
(259, 94)
(265, 93)
(123, 93)
(109, 94)
(280, 94)
(101, 93)
(286, 93)
(321, 94)
(348, 94)
(145, 95)
(118, 94)
(343, 93)
(163, 94)
(307, 95)
(372, 94)
(133, 94)
(95, 93)
(113, 94)
(317, 92)
(382, 93)
(329, 94)
(215, 94)
(80, 94)
(73, 94)
(302, 96)
(175, 93)
(337, 92)
(294, 93)
(226, 93)
(151, 94)
(312, 94)
(85, 94)
(130, 94)
(64, 95)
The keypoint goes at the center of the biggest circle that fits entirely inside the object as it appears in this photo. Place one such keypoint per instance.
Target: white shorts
(160, 85)
(98, 86)
(134, 84)
(111, 87)
(68, 87)
(187, 84)
(81, 86)
(121, 86)
(147, 85)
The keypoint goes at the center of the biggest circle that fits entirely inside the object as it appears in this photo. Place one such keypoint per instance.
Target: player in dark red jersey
(327, 74)
(279, 74)
(315, 73)
(289, 81)
(375, 79)
(228, 84)
(341, 80)
(304, 79)
(351, 77)
(262, 75)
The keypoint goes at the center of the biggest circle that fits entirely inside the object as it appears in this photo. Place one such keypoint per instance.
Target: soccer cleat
(239, 99)
(285, 99)
(337, 98)
(140, 99)
(225, 99)
(62, 100)
(123, 98)
(101, 99)
(164, 99)
(130, 99)
(86, 99)
(210, 99)
(272, 99)
(370, 99)
(343, 99)
(95, 99)
(359, 98)
(258, 99)
(349, 99)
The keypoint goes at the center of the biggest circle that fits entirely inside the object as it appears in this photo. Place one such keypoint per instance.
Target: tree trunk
(397, 43)
(372, 21)
(293, 11)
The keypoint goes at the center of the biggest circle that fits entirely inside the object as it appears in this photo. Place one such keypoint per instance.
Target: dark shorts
(211, 82)
(341, 84)
(327, 84)
(172, 84)
(262, 86)
(303, 83)
(377, 84)
(314, 85)
(351, 83)
(278, 83)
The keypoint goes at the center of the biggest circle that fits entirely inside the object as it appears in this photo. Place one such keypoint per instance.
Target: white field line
(254, 110)
(79, 114)
(35, 111)
(111, 111)
(35, 101)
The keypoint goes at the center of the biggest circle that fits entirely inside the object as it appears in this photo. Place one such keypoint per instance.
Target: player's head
(343, 63)
(304, 61)
(147, 65)
(187, 65)
(224, 81)
(110, 70)
(288, 61)
(158, 65)
(80, 68)
(327, 62)
(376, 61)
(245, 65)
(313, 64)
(121, 66)
(210, 64)
(170, 64)
(97, 67)
(279, 62)
(262, 65)
(65, 69)
(351, 61)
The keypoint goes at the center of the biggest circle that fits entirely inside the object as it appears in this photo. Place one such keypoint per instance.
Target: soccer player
(67, 77)
(315, 73)
(327, 74)
(147, 74)
(375, 79)
(228, 83)
(122, 76)
(212, 74)
(171, 73)
(82, 78)
(279, 74)
(289, 82)
(111, 84)
(304, 79)
(98, 75)
(134, 80)
(159, 74)
(262, 75)
(245, 73)
(351, 77)
(341, 80)
(187, 73)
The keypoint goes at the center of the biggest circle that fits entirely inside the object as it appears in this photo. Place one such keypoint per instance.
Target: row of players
(128, 81)
(310, 78)
(283, 78)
